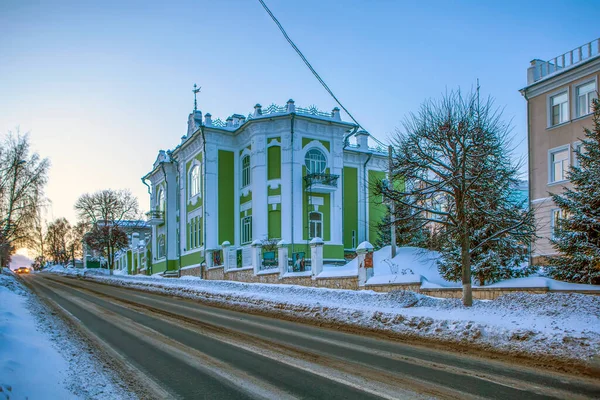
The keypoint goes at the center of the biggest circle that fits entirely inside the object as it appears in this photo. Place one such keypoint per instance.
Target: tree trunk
(465, 250)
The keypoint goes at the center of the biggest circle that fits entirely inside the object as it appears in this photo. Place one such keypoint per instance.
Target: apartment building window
(195, 181)
(559, 108)
(577, 149)
(315, 162)
(315, 226)
(586, 94)
(246, 227)
(559, 164)
(245, 171)
(556, 216)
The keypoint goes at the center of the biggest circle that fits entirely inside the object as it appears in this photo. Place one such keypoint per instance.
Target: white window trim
(161, 204)
(550, 169)
(315, 144)
(549, 106)
(247, 240)
(191, 196)
(575, 106)
(321, 222)
(574, 147)
(552, 221)
(324, 157)
(245, 154)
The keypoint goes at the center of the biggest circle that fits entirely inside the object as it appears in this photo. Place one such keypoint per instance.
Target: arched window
(315, 162)
(161, 246)
(245, 171)
(160, 202)
(195, 181)
(315, 225)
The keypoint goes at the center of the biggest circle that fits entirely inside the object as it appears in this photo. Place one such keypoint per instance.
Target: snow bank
(36, 360)
(550, 325)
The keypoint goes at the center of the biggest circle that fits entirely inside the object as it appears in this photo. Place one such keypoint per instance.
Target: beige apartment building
(559, 95)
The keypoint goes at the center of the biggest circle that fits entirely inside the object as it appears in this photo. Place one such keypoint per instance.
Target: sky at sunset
(103, 85)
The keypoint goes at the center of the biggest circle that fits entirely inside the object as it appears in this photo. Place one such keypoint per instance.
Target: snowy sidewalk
(39, 356)
(555, 325)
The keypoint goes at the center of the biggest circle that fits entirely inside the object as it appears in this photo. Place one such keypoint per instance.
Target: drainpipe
(352, 132)
(204, 194)
(150, 194)
(524, 93)
(292, 177)
(178, 234)
(162, 166)
(366, 194)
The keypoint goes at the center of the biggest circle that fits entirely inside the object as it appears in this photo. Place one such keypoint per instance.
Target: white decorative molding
(274, 184)
(274, 199)
(317, 201)
(246, 206)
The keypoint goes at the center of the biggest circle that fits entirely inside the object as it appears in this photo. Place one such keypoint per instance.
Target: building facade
(279, 175)
(559, 96)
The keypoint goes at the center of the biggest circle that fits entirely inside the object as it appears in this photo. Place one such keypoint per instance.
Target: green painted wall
(306, 141)
(191, 259)
(376, 208)
(226, 175)
(275, 224)
(129, 262)
(274, 162)
(325, 209)
(159, 267)
(350, 186)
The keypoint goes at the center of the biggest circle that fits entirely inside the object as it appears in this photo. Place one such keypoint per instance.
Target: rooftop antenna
(196, 90)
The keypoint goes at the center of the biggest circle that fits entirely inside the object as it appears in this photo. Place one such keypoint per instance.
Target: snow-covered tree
(454, 158)
(577, 237)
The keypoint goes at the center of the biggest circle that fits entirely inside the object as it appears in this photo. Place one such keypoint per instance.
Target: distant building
(559, 95)
(281, 173)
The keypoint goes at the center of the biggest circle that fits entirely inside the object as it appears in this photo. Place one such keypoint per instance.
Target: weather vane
(196, 90)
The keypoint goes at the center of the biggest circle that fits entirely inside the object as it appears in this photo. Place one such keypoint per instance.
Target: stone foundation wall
(297, 280)
(214, 274)
(413, 287)
(247, 275)
(191, 271)
(348, 283)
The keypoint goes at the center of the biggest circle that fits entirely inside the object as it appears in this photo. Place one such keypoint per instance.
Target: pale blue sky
(103, 85)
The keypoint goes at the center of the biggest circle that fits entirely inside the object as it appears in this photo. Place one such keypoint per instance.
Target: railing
(154, 214)
(312, 110)
(541, 69)
(321, 179)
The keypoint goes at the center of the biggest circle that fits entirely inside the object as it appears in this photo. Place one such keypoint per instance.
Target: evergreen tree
(577, 237)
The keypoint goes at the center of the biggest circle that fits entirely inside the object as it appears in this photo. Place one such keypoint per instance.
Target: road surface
(179, 348)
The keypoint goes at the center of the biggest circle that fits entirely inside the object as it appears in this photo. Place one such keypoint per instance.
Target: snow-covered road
(41, 357)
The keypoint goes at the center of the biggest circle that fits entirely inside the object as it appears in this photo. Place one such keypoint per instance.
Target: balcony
(321, 183)
(155, 217)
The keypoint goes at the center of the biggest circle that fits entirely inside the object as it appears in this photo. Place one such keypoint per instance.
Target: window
(559, 164)
(586, 93)
(195, 181)
(577, 148)
(315, 162)
(161, 246)
(245, 171)
(559, 108)
(555, 218)
(161, 200)
(315, 225)
(246, 227)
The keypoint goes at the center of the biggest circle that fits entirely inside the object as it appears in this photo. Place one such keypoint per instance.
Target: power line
(291, 42)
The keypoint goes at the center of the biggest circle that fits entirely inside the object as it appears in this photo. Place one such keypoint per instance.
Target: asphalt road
(181, 348)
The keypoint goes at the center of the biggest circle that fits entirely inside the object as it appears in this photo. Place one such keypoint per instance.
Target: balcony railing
(321, 183)
(540, 69)
(155, 217)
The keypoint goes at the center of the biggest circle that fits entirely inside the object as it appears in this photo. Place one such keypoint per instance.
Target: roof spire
(196, 90)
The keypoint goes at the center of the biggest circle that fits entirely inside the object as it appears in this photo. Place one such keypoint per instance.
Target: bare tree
(75, 240)
(108, 208)
(57, 236)
(23, 176)
(454, 160)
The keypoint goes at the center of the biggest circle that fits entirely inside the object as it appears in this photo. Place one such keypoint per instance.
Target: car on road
(22, 270)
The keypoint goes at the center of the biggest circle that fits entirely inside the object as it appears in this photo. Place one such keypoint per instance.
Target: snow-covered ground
(42, 358)
(554, 325)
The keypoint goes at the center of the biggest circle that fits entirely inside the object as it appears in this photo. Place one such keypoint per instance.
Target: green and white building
(286, 174)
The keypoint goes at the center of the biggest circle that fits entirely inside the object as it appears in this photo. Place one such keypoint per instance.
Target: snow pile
(553, 325)
(39, 356)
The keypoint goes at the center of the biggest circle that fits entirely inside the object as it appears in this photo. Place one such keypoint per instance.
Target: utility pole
(392, 205)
